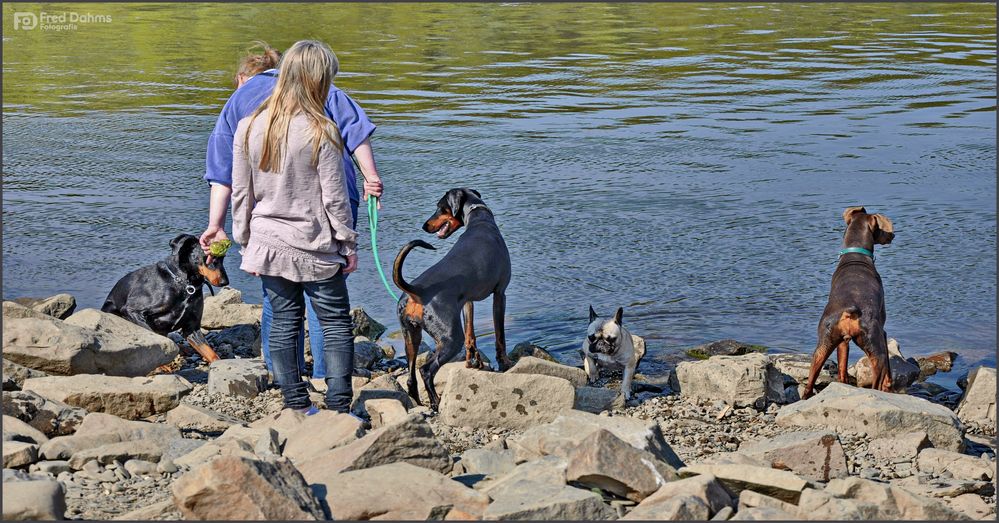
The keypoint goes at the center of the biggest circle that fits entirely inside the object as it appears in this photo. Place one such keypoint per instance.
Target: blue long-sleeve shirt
(354, 125)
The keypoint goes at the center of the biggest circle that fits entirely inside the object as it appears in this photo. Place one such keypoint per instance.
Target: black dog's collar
(190, 289)
(475, 206)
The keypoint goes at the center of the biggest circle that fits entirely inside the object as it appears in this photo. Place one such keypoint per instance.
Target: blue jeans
(331, 304)
(315, 331)
(315, 339)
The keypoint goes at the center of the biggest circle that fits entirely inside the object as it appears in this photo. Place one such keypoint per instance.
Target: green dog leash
(373, 226)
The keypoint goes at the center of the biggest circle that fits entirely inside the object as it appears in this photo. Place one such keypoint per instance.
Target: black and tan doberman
(856, 307)
(478, 265)
(167, 296)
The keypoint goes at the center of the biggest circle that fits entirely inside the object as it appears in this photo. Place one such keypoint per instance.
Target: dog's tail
(397, 266)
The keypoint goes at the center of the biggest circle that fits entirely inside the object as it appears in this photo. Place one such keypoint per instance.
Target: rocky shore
(104, 420)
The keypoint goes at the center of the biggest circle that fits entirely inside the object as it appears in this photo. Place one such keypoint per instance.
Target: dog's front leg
(592, 373)
(629, 373)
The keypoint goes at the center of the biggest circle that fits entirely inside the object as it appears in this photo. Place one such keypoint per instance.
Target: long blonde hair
(306, 73)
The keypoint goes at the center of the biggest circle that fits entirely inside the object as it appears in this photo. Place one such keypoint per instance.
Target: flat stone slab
(124, 348)
(129, 398)
(513, 401)
(779, 484)
(879, 414)
(528, 500)
(816, 455)
(400, 492)
(532, 365)
(748, 380)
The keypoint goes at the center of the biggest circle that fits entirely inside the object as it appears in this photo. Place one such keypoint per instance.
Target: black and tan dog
(478, 265)
(856, 307)
(167, 296)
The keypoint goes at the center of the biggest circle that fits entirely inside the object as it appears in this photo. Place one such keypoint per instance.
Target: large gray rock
(237, 440)
(779, 484)
(904, 447)
(226, 309)
(59, 306)
(528, 500)
(661, 505)
(604, 461)
(98, 429)
(903, 371)
(814, 455)
(53, 418)
(571, 427)
(843, 407)
(978, 406)
(193, 417)
(411, 441)
(19, 453)
(33, 500)
(960, 466)
(741, 381)
(512, 401)
(821, 505)
(487, 462)
(234, 488)
(147, 450)
(14, 375)
(17, 430)
(237, 377)
(400, 492)
(532, 365)
(677, 508)
(124, 348)
(550, 470)
(939, 362)
(598, 399)
(382, 387)
(129, 398)
(365, 325)
(384, 411)
(320, 433)
(892, 502)
(366, 353)
(49, 345)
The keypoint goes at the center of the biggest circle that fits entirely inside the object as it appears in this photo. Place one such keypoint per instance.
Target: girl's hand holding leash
(373, 188)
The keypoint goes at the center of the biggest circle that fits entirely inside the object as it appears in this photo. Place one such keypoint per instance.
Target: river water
(689, 162)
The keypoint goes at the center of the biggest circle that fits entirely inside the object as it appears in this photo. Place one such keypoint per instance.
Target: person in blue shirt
(255, 79)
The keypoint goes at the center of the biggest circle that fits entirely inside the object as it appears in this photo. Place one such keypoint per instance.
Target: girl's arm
(242, 190)
(218, 205)
(336, 201)
(366, 159)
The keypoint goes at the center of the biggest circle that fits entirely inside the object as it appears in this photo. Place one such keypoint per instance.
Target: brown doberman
(856, 307)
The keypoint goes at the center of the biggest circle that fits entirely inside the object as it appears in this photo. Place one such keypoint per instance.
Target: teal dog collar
(857, 250)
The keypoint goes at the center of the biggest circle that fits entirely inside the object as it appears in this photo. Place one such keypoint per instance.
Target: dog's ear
(183, 245)
(848, 213)
(476, 193)
(884, 231)
(456, 201)
(617, 315)
(177, 240)
(593, 314)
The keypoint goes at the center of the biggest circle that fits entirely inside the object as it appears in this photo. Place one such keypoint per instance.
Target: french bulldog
(608, 344)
